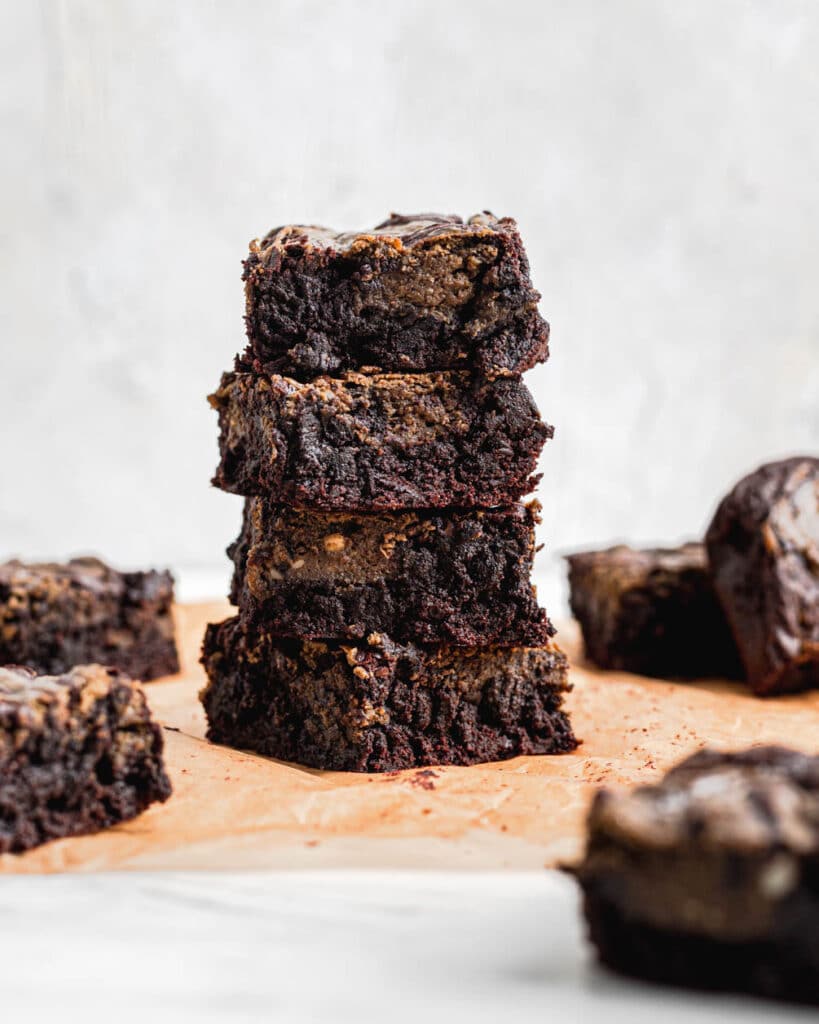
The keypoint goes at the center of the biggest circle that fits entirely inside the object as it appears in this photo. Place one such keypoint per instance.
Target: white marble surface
(332, 947)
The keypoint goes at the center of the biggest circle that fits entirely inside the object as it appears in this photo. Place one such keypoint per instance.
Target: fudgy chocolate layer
(381, 706)
(417, 293)
(366, 442)
(784, 966)
(459, 577)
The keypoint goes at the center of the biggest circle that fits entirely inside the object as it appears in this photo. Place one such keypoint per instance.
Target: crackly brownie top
(719, 847)
(398, 231)
(780, 499)
(763, 547)
(615, 571)
(628, 562)
(29, 702)
(20, 685)
(86, 573)
(753, 802)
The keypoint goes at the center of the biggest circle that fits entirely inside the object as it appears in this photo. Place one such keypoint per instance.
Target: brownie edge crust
(710, 879)
(381, 706)
(417, 293)
(78, 752)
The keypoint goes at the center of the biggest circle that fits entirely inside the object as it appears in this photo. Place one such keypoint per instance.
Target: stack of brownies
(380, 432)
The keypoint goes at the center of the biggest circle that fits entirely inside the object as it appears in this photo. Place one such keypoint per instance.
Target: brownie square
(53, 617)
(763, 548)
(710, 879)
(78, 752)
(458, 577)
(651, 611)
(416, 293)
(381, 706)
(378, 442)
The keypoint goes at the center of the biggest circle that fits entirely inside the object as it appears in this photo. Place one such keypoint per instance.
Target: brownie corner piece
(763, 549)
(708, 878)
(652, 611)
(57, 615)
(381, 706)
(79, 752)
(378, 441)
(416, 293)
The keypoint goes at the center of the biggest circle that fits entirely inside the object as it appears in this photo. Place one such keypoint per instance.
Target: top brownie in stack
(416, 293)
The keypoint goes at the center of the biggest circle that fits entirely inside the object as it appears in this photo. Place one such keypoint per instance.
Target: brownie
(763, 548)
(78, 752)
(710, 879)
(384, 441)
(416, 293)
(651, 611)
(53, 617)
(381, 706)
(458, 577)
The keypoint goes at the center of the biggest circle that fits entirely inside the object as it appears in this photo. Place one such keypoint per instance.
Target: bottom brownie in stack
(381, 706)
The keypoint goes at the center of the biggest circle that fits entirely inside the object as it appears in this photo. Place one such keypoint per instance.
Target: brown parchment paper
(236, 810)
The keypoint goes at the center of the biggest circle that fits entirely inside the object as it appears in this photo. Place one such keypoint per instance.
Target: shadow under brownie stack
(381, 435)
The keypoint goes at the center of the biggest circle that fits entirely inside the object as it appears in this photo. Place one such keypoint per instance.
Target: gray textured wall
(662, 159)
